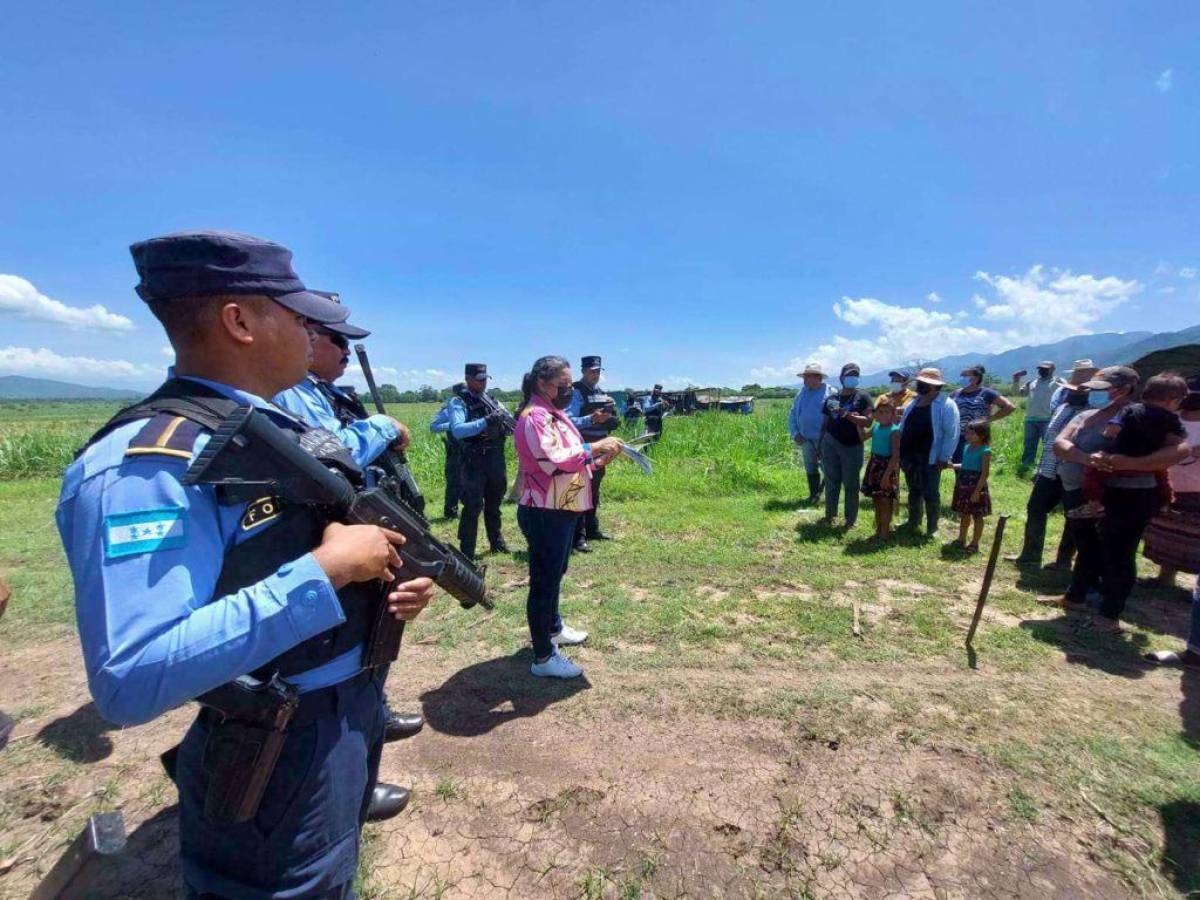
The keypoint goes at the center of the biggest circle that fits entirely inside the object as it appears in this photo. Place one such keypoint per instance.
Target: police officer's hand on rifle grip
(352, 553)
(600, 416)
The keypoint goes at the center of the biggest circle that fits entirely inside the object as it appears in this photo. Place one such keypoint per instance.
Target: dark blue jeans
(1035, 433)
(304, 841)
(550, 534)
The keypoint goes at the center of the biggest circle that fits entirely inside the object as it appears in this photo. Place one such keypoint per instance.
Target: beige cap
(813, 368)
(931, 376)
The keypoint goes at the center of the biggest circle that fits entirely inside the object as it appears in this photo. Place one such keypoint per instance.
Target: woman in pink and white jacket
(556, 468)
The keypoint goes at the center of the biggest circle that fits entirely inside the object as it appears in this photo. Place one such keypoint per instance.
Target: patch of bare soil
(526, 789)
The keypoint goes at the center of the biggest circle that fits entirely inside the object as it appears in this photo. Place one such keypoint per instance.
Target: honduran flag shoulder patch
(146, 531)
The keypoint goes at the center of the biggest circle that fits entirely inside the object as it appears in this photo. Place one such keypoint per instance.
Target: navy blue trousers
(304, 841)
(550, 534)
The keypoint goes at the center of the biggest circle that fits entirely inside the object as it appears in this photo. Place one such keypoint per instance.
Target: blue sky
(696, 191)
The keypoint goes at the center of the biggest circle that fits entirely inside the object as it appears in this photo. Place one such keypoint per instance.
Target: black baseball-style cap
(209, 263)
(342, 329)
(590, 362)
(476, 370)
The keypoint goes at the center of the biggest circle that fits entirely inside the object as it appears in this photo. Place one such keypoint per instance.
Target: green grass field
(719, 566)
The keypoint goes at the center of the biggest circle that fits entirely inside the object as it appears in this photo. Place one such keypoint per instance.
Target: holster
(248, 721)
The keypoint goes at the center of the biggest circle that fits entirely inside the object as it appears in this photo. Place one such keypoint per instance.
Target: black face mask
(923, 388)
(1077, 398)
(562, 398)
(1044, 373)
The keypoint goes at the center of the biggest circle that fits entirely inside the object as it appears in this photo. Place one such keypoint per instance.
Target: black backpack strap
(178, 412)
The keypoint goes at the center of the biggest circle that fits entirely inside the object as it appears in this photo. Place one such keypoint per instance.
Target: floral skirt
(1173, 537)
(964, 487)
(874, 483)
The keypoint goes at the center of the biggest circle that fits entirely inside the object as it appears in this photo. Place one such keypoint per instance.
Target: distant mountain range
(18, 387)
(1109, 349)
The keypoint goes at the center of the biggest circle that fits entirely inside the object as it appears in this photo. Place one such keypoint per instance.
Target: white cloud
(167, 350)
(1165, 81)
(44, 363)
(20, 298)
(1188, 272)
(933, 297)
(1038, 304)
(402, 378)
(1169, 289)
(1034, 308)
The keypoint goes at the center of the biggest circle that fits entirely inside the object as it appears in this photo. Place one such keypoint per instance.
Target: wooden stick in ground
(987, 586)
(857, 628)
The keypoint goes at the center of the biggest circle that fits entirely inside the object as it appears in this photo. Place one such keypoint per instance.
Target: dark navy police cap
(590, 362)
(209, 263)
(345, 329)
(476, 370)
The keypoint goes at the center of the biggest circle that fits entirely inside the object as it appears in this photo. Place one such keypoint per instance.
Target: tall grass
(717, 453)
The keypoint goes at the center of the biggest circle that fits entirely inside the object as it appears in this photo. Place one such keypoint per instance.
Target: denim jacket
(943, 415)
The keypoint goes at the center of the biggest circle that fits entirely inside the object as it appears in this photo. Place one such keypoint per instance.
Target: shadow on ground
(478, 698)
(1181, 845)
(81, 737)
(147, 867)
(788, 505)
(1116, 654)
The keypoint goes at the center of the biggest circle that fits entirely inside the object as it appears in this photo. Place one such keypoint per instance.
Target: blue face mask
(850, 381)
(1097, 399)
(966, 381)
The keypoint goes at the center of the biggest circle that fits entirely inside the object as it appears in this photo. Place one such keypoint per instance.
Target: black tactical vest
(345, 401)
(593, 399)
(297, 529)
(493, 435)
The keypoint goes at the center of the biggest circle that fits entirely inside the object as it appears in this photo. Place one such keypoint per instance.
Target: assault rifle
(394, 462)
(248, 450)
(507, 423)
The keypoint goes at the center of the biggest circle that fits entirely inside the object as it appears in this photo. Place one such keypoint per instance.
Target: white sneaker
(568, 637)
(557, 666)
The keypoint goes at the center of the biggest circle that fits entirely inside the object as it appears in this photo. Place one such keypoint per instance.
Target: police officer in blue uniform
(321, 403)
(477, 422)
(452, 468)
(181, 589)
(591, 409)
(654, 406)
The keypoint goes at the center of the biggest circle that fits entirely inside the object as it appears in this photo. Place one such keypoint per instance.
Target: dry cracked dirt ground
(638, 782)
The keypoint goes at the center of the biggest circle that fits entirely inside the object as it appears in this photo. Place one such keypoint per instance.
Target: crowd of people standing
(1115, 454)
(914, 428)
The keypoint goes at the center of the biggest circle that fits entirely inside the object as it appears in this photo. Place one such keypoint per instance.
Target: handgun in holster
(249, 720)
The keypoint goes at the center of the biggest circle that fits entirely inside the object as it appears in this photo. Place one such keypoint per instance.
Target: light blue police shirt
(365, 438)
(460, 429)
(145, 553)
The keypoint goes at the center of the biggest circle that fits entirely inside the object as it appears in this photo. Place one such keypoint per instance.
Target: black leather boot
(387, 800)
(397, 726)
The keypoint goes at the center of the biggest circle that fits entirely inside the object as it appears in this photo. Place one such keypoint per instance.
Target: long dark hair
(543, 369)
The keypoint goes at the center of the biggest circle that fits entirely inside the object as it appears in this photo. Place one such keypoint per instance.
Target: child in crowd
(972, 501)
(882, 479)
(1138, 430)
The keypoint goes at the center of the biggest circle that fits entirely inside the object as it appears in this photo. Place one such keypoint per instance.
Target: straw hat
(931, 376)
(813, 368)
